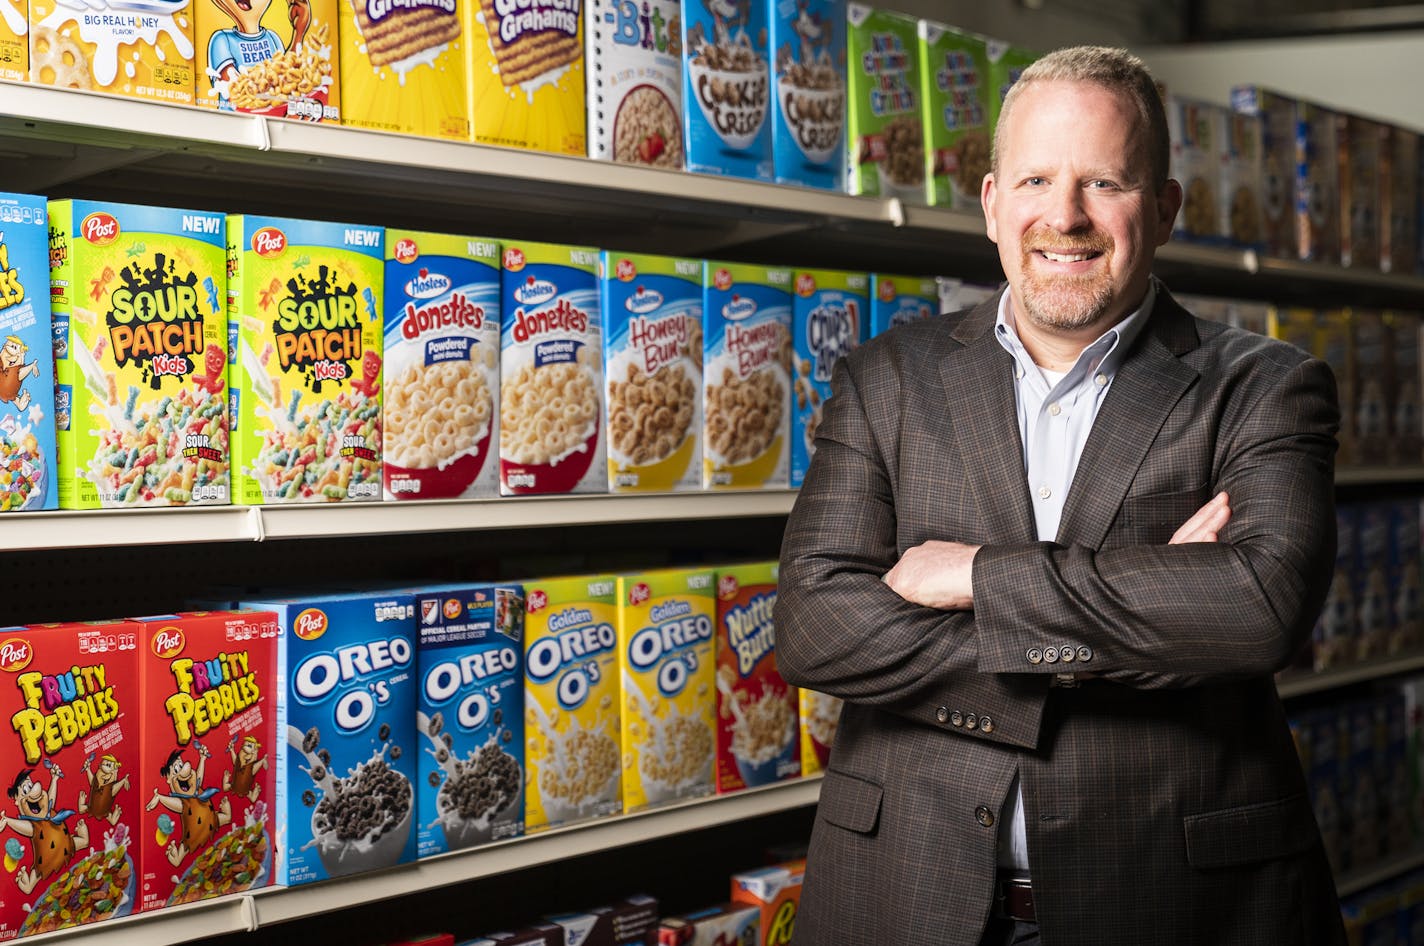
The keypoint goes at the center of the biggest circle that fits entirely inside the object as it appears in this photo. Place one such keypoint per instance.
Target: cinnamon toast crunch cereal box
(269, 57)
(808, 111)
(776, 892)
(28, 472)
(72, 773)
(304, 322)
(527, 74)
(14, 40)
(726, 88)
(571, 697)
(886, 143)
(208, 765)
(404, 66)
(666, 627)
(897, 300)
(136, 294)
(139, 49)
(829, 318)
(954, 80)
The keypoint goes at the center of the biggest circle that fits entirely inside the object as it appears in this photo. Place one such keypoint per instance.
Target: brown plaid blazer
(1164, 800)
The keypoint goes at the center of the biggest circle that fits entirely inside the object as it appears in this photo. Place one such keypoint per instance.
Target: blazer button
(942, 714)
(1034, 655)
(971, 721)
(986, 724)
(1050, 654)
(1067, 654)
(984, 816)
(1085, 653)
(957, 718)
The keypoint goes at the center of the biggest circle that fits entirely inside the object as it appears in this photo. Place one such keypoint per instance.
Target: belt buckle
(1064, 680)
(1013, 900)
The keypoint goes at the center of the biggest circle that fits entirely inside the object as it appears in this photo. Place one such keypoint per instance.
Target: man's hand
(1205, 523)
(936, 575)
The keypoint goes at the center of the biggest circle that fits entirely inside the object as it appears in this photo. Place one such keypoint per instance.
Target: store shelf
(1300, 683)
(1352, 882)
(1379, 475)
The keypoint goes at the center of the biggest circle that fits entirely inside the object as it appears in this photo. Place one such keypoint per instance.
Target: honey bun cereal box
(14, 40)
(726, 925)
(269, 57)
(809, 108)
(747, 374)
(726, 85)
(776, 892)
(571, 696)
(404, 66)
(758, 738)
(820, 717)
(634, 54)
(304, 325)
(138, 48)
(666, 625)
(551, 372)
(470, 724)
(72, 775)
(207, 772)
(954, 84)
(136, 294)
(440, 422)
(897, 300)
(346, 801)
(28, 473)
(829, 318)
(652, 310)
(527, 74)
(886, 143)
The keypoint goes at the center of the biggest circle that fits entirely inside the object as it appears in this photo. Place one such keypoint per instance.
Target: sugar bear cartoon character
(104, 784)
(52, 846)
(199, 819)
(248, 42)
(246, 763)
(13, 371)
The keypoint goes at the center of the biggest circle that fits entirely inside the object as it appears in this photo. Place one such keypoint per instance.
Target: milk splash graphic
(111, 24)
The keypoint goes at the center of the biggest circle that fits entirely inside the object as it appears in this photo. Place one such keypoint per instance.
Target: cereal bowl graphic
(646, 129)
(677, 763)
(363, 821)
(239, 860)
(579, 775)
(477, 792)
(816, 117)
(100, 886)
(730, 83)
(770, 763)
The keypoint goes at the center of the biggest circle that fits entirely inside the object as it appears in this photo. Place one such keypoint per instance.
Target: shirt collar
(1103, 355)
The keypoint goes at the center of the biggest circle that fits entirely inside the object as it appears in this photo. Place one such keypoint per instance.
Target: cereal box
(1360, 160)
(537, 934)
(269, 58)
(440, 422)
(551, 372)
(405, 66)
(885, 137)
(820, 717)
(470, 724)
(1406, 427)
(571, 695)
(1335, 631)
(28, 475)
(304, 325)
(954, 83)
(635, 99)
(652, 309)
(14, 40)
(1317, 183)
(1276, 188)
(1335, 336)
(726, 925)
(829, 319)
(1197, 130)
(137, 302)
(758, 738)
(726, 68)
(896, 300)
(665, 643)
(1242, 205)
(71, 695)
(776, 891)
(808, 110)
(1399, 198)
(956, 294)
(1373, 613)
(747, 390)
(1406, 590)
(527, 74)
(1006, 64)
(143, 50)
(626, 922)
(1365, 409)
(208, 769)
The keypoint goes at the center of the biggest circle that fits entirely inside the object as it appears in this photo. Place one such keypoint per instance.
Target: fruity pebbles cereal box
(71, 694)
(27, 414)
(442, 366)
(898, 300)
(665, 635)
(208, 763)
(143, 50)
(304, 322)
(652, 342)
(886, 147)
(954, 82)
(726, 88)
(808, 110)
(269, 57)
(571, 694)
(403, 66)
(527, 74)
(828, 320)
(137, 305)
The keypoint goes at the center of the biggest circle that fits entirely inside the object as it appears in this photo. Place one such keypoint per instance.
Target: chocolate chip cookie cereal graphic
(727, 87)
(634, 83)
(137, 297)
(269, 57)
(885, 143)
(404, 66)
(138, 48)
(652, 308)
(304, 319)
(28, 479)
(441, 405)
(896, 300)
(808, 102)
(14, 41)
(1198, 132)
(527, 74)
(71, 802)
(829, 317)
(954, 87)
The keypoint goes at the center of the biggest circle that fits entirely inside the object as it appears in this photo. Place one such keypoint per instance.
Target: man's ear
(1169, 201)
(988, 195)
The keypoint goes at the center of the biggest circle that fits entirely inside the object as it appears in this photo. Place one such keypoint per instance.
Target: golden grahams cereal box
(404, 66)
(139, 48)
(527, 74)
(269, 57)
(14, 40)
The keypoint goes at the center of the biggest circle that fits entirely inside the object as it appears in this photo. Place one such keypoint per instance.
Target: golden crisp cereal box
(820, 716)
(72, 774)
(139, 48)
(269, 57)
(14, 40)
(304, 319)
(404, 66)
(527, 74)
(137, 294)
(665, 646)
(571, 692)
(27, 409)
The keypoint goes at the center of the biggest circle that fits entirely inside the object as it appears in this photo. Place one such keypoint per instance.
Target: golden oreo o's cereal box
(527, 74)
(72, 774)
(269, 57)
(304, 323)
(404, 66)
(137, 298)
(28, 476)
(138, 48)
(14, 41)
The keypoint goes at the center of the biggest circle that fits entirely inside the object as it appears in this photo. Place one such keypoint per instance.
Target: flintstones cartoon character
(199, 819)
(246, 763)
(13, 371)
(104, 784)
(52, 846)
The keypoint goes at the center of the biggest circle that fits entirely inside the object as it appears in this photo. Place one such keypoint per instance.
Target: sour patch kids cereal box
(27, 415)
(269, 57)
(829, 319)
(139, 48)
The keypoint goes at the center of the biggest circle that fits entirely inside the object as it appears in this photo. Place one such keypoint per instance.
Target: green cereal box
(1006, 64)
(137, 294)
(666, 626)
(27, 408)
(954, 83)
(885, 140)
(304, 323)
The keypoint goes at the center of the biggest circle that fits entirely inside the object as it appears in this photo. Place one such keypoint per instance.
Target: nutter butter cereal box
(137, 299)
(28, 472)
(829, 318)
(14, 40)
(808, 51)
(635, 92)
(269, 57)
(207, 775)
(898, 300)
(138, 48)
(886, 144)
(404, 66)
(954, 79)
(527, 74)
(442, 366)
(726, 88)
(304, 325)
(72, 775)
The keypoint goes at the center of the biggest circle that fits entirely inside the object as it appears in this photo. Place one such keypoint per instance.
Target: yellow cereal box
(140, 49)
(268, 57)
(527, 74)
(304, 303)
(665, 640)
(404, 66)
(820, 716)
(14, 40)
(136, 294)
(571, 714)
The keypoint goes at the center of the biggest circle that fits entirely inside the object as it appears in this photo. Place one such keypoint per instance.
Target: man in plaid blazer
(1050, 552)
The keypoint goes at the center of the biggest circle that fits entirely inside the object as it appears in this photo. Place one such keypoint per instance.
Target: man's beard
(1065, 302)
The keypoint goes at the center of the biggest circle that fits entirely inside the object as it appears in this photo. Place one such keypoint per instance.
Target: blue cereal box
(726, 86)
(27, 389)
(470, 724)
(808, 111)
(828, 319)
(897, 300)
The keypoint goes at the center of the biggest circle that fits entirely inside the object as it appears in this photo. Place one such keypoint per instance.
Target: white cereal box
(142, 50)
(28, 475)
(269, 57)
(898, 300)
(652, 309)
(726, 86)
(635, 82)
(829, 318)
(956, 294)
(808, 109)
(527, 74)
(1197, 130)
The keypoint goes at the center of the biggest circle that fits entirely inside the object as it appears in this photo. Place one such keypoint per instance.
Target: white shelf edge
(1302, 683)
(1353, 881)
(117, 121)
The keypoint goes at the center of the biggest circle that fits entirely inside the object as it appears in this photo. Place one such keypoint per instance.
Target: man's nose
(1066, 211)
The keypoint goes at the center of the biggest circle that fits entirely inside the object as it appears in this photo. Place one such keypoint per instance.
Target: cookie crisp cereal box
(776, 892)
(666, 626)
(14, 40)
(527, 74)
(551, 372)
(829, 318)
(898, 300)
(634, 53)
(652, 309)
(440, 410)
(269, 57)
(304, 332)
(726, 88)
(571, 696)
(347, 717)
(885, 145)
(72, 774)
(137, 306)
(808, 49)
(470, 725)
(747, 390)
(126, 47)
(28, 474)
(954, 82)
(405, 66)
(207, 772)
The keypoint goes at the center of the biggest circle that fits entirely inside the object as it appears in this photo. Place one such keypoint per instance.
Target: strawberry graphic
(652, 146)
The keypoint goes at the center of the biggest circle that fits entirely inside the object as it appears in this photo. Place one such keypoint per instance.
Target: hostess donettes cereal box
(829, 318)
(28, 476)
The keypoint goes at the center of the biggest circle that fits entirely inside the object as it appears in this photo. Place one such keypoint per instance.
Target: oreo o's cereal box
(14, 41)
(527, 74)
(809, 108)
(897, 300)
(635, 96)
(828, 320)
(28, 477)
(726, 88)
(886, 145)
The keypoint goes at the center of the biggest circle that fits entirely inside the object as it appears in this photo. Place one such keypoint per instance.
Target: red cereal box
(71, 772)
(776, 891)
